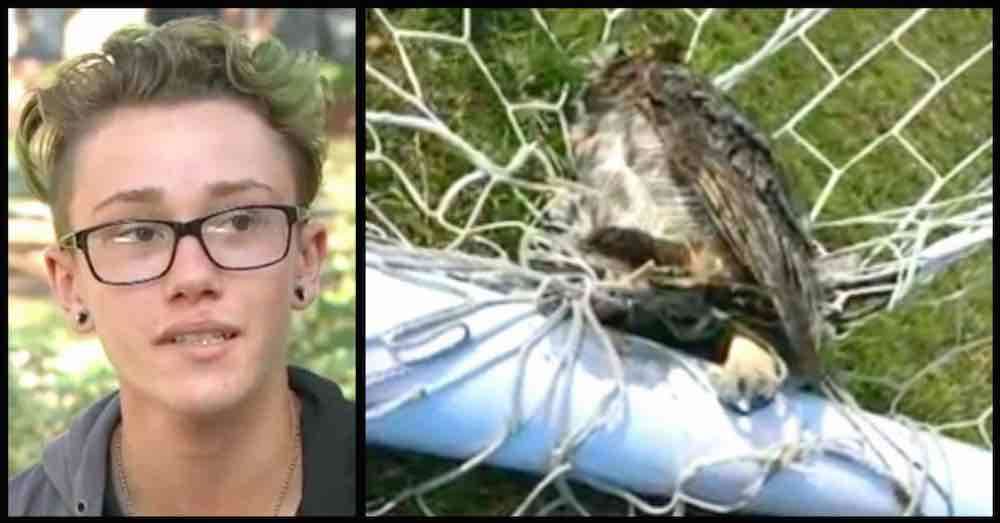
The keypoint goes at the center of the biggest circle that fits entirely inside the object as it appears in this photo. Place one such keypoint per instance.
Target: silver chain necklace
(284, 489)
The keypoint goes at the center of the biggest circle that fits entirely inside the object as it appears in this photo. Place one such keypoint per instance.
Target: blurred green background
(54, 373)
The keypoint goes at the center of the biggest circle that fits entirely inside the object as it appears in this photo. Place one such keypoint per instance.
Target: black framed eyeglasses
(128, 252)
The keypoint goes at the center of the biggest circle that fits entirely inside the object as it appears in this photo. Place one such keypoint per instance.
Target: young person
(179, 164)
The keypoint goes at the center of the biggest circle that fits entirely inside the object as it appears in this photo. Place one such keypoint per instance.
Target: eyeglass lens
(239, 239)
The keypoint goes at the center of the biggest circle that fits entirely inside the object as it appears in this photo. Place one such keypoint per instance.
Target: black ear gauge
(300, 294)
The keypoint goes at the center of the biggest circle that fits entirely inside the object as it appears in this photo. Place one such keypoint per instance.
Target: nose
(192, 272)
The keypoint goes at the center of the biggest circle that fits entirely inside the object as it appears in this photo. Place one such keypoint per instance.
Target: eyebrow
(155, 195)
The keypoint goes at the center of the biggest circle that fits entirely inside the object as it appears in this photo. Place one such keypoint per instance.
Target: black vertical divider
(359, 273)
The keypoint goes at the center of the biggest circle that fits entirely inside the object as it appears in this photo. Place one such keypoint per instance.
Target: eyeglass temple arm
(68, 241)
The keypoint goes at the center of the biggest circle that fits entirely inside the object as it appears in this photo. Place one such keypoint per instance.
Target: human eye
(134, 233)
(240, 220)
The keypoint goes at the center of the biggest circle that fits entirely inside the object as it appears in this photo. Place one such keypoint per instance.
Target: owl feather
(692, 182)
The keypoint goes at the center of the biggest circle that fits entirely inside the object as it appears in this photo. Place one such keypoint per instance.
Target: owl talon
(748, 379)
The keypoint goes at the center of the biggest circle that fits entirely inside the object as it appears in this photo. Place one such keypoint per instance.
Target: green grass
(527, 65)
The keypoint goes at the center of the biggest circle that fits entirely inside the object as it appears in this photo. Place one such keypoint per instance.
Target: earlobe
(312, 253)
(300, 297)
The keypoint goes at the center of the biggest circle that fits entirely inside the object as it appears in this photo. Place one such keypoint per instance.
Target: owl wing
(764, 243)
(730, 166)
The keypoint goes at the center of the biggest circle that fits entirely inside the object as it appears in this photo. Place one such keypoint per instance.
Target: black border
(359, 273)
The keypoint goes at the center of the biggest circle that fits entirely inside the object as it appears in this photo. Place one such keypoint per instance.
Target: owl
(683, 209)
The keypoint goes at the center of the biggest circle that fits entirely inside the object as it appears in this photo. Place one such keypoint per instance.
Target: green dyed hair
(185, 60)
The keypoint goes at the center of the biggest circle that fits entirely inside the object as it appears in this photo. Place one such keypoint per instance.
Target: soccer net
(881, 119)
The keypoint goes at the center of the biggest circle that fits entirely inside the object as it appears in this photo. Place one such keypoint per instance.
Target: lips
(200, 332)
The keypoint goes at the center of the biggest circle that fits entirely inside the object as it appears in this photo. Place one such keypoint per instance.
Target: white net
(882, 120)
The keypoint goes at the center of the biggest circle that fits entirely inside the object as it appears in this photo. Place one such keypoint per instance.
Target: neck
(229, 463)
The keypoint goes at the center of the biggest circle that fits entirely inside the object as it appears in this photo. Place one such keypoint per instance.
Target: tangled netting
(446, 197)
